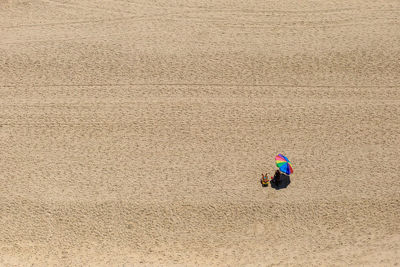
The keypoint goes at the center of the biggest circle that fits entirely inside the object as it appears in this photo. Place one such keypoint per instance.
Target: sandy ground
(136, 132)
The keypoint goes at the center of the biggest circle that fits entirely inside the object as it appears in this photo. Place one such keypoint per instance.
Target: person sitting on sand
(277, 177)
(264, 180)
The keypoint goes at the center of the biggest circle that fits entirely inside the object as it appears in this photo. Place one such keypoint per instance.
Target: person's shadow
(283, 182)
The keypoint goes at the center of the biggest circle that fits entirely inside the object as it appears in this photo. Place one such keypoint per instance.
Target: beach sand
(136, 132)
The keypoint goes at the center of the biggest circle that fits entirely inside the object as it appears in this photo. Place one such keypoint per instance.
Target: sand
(135, 132)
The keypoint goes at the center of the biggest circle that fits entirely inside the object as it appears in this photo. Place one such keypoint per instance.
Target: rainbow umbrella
(284, 164)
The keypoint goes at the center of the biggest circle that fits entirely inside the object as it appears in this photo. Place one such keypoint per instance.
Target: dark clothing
(277, 177)
(282, 181)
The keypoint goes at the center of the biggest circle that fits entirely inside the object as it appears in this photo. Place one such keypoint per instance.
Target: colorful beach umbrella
(284, 164)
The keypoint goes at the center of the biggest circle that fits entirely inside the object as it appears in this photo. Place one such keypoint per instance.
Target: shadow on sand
(284, 181)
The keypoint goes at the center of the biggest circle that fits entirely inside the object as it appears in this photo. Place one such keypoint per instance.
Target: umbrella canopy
(283, 164)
